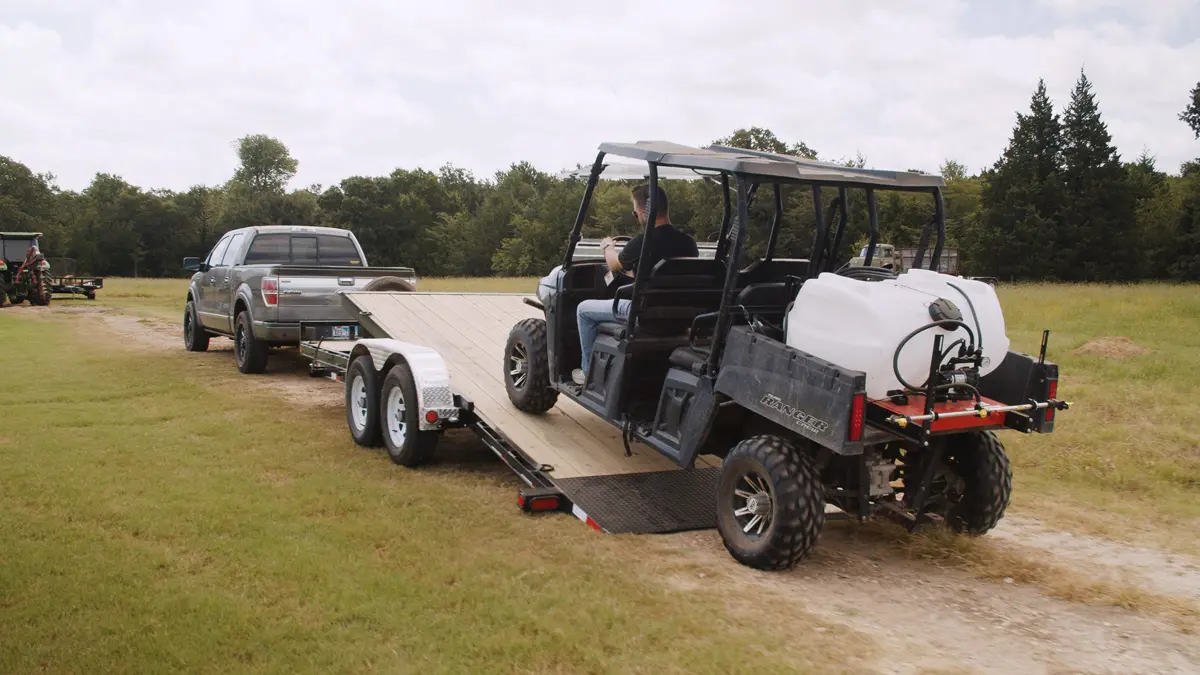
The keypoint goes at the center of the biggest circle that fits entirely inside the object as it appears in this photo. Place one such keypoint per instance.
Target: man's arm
(610, 255)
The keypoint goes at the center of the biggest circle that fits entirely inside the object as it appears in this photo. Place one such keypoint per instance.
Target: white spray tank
(859, 324)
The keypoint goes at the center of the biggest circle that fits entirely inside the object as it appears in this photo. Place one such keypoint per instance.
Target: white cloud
(158, 91)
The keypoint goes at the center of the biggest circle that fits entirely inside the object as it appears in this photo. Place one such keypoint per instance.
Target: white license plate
(341, 332)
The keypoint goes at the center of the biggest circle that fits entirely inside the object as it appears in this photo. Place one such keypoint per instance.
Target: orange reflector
(431, 416)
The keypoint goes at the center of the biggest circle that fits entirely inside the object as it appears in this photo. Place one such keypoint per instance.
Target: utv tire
(979, 460)
(400, 419)
(389, 284)
(195, 338)
(249, 353)
(767, 478)
(527, 367)
(362, 402)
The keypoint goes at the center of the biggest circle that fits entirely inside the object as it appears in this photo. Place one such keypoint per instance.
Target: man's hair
(642, 192)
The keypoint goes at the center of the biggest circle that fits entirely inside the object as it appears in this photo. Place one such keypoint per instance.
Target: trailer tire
(400, 419)
(362, 402)
(249, 354)
(15, 299)
(980, 461)
(527, 354)
(794, 509)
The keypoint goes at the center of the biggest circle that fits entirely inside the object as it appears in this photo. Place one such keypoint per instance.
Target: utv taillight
(857, 410)
(1051, 393)
(270, 291)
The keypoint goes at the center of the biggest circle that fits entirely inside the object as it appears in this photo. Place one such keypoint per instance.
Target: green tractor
(24, 272)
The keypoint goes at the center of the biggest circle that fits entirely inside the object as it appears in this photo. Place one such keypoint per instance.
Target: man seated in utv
(665, 242)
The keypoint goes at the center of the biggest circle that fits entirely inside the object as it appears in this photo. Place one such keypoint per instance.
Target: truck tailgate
(311, 293)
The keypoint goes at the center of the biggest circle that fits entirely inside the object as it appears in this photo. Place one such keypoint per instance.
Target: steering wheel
(621, 238)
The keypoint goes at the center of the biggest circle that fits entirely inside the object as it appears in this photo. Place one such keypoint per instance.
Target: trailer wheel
(984, 484)
(16, 299)
(362, 402)
(249, 353)
(195, 338)
(399, 415)
(527, 367)
(770, 503)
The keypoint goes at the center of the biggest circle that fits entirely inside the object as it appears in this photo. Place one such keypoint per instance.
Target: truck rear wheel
(770, 503)
(249, 353)
(527, 367)
(195, 338)
(388, 284)
(362, 402)
(400, 419)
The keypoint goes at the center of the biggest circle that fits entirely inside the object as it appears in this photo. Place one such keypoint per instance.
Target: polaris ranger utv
(860, 389)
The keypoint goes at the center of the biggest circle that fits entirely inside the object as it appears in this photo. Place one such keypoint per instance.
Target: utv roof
(769, 166)
(20, 235)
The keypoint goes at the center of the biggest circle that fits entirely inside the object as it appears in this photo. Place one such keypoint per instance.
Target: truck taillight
(857, 411)
(1051, 393)
(270, 291)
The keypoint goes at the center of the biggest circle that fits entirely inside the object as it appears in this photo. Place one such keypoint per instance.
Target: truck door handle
(225, 284)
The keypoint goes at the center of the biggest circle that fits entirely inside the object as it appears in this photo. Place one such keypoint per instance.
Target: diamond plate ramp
(647, 503)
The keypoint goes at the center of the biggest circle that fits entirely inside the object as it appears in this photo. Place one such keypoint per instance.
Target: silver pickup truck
(259, 283)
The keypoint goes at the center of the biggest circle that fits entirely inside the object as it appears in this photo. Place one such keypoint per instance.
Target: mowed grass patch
(158, 517)
(1131, 444)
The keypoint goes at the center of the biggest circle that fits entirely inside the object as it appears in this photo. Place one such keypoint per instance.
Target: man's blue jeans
(591, 314)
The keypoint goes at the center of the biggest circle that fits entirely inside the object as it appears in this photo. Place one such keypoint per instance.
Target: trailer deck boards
(470, 330)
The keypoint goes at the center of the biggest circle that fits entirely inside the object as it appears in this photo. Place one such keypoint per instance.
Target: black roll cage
(733, 230)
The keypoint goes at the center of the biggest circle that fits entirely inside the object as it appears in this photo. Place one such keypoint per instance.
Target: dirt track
(924, 619)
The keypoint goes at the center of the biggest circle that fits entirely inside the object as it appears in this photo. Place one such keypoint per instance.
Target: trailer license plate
(341, 332)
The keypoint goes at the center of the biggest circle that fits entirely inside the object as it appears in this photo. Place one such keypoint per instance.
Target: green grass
(1131, 445)
(158, 518)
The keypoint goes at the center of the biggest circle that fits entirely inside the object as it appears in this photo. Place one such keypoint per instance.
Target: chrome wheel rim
(187, 328)
(358, 401)
(518, 365)
(753, 504)
(396, 425)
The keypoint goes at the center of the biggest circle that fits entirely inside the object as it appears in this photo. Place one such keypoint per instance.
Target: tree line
(1059, 204)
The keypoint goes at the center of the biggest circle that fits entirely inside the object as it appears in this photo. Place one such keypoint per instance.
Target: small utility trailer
(452, 346)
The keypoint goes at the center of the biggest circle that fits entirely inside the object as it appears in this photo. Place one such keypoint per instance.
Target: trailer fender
(428, 369)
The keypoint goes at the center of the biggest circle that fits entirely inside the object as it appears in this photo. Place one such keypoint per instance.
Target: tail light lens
(857, 411)
(270, 291)
(1051, 393)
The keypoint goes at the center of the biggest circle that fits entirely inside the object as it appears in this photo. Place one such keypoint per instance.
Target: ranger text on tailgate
(259, 283)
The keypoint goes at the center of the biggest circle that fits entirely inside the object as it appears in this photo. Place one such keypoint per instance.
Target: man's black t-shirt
(665, 242)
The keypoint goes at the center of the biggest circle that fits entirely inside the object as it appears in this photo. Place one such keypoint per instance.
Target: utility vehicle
(721, 357)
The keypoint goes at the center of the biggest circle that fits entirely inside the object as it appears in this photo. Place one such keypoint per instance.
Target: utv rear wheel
(249, 353)
(362, 402)
(400, 419)
(770, 503)
(195, 338)
(527, 367)
(984, 482)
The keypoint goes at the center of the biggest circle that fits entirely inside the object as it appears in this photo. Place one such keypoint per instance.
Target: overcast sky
(157, 91)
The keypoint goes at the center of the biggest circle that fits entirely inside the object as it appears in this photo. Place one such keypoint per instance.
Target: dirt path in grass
(923, 618)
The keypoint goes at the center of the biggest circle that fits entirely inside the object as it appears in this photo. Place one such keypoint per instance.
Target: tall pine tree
(1098, 238)
(1022, 197)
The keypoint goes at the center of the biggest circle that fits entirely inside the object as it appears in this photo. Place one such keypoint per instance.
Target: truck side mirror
(194, 265)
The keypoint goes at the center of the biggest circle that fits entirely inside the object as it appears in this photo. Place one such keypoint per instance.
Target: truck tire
(980, 462)
(527, 367)
(362, 402)
(400, 419)
(770, 503)
(249, 353)
(388, 284)
(195, 338)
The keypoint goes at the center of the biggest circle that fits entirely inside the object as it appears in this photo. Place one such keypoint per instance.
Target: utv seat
(678, 290)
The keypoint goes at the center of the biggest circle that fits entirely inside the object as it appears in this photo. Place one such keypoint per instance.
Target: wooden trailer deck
(470, 331)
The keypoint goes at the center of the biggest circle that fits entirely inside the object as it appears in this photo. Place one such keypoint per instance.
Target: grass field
(159, 519)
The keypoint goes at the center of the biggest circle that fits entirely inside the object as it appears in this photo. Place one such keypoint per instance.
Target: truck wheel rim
(358, 401)
(239, 344)
(753, 508)
(396, 426)
(187, 327)
(518, 365)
